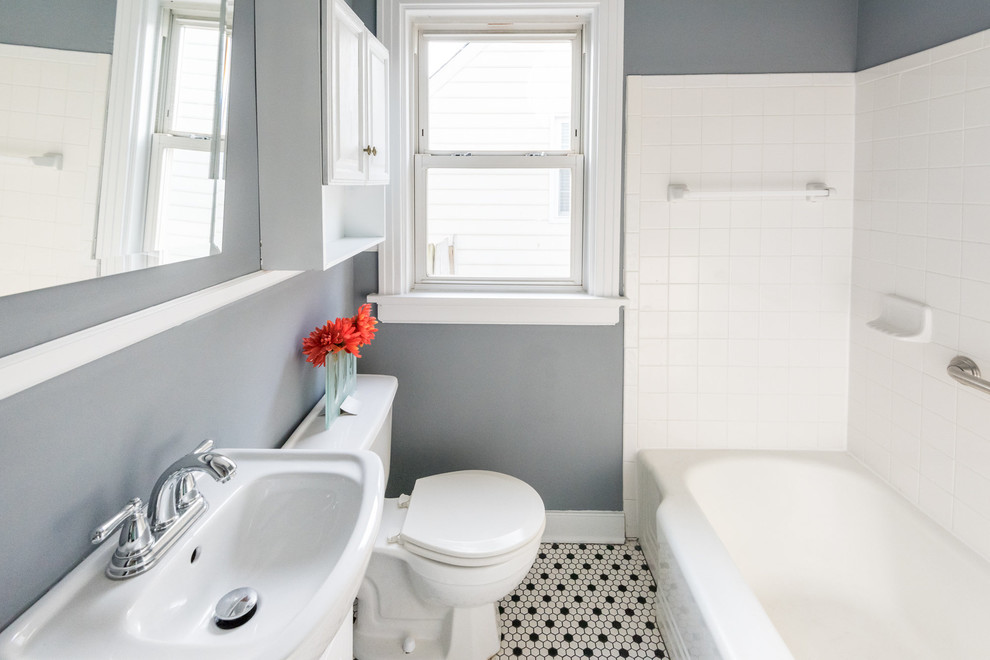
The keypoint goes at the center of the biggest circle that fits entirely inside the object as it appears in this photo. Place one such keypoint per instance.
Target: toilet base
(413, 607)
(461, 633)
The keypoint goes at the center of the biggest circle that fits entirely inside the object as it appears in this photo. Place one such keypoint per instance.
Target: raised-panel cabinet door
(346, 98)
(378, 111)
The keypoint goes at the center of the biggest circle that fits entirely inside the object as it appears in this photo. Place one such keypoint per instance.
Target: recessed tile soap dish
(904, 319)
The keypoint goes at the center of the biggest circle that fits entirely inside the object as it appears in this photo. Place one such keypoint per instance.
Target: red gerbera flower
(342, 334)
(365, 324)
(318, 344)
(347, 336)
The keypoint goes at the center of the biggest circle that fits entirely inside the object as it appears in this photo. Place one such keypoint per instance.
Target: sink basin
(295, 526)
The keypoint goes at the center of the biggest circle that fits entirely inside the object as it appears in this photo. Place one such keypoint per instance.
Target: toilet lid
(472, 514)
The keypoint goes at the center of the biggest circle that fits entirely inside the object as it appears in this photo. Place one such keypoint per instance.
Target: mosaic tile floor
(583, 600)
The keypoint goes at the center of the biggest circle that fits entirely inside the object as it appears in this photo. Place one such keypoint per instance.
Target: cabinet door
(377, 110)
(346, 159)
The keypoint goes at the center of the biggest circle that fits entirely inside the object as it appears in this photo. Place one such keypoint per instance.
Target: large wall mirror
(110, 161)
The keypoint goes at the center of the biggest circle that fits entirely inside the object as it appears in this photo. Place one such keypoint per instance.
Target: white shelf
(904, 319)
(345, 248)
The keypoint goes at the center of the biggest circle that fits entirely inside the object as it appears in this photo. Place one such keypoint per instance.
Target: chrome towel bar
(813, 191)
(49, 159)
(966, 372)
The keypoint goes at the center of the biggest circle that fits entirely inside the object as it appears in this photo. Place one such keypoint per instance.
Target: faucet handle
(203, 447)
(134, 509)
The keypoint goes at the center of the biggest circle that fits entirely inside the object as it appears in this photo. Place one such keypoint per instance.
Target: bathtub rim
(735, 618)
(676, 464)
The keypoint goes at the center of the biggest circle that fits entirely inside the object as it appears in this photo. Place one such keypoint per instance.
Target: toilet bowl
(444, 555)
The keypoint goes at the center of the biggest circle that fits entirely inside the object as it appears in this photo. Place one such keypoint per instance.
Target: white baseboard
(585, 527)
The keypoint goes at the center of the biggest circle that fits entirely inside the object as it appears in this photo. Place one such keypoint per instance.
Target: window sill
(498, 308)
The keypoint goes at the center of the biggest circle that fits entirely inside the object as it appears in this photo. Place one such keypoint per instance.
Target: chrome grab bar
(966, 372)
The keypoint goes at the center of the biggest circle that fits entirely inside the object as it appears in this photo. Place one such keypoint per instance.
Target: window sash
(161, 145)
(167, 139)
(573, 163)
(169, 97)
(574, 35)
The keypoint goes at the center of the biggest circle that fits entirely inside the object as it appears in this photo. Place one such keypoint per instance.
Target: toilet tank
(369, 428)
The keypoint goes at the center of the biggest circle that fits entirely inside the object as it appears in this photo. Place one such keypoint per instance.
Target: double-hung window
(499, 162)
(505, 196)
(185, 192)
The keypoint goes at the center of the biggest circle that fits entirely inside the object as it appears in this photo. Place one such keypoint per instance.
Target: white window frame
(596, 301)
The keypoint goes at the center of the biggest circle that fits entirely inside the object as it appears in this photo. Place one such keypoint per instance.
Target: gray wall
(367, 11)
(75, 449)
(729, 36)
(522, 401)
(779, 36)
(542, 403)
(85, 25)
(38, 316)
(889, 29)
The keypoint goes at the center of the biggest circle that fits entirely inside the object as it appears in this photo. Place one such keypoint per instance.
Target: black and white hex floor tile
(583, 600)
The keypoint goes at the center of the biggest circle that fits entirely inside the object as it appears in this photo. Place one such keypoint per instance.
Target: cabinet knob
(371, 151)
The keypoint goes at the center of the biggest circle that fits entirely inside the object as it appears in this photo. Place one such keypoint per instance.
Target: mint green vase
(341, 373)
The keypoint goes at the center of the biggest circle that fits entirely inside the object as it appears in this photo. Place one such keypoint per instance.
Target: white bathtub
(804, 555)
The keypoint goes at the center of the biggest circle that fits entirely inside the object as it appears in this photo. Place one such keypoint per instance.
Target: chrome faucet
(147, 532)
(175, 491)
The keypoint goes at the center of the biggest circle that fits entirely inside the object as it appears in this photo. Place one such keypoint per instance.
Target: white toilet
(444, 555)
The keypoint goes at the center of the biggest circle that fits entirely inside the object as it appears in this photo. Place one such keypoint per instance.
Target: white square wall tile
(686, 102)
(742, 323)
(978, 69)
(655, 102)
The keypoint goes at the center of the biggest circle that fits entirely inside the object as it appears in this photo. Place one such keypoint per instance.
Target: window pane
(498, 95)
(497, 223)
(195, 79)
(185, 211)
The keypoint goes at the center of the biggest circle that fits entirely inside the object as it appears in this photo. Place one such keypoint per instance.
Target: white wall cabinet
(377, 86)
(322, 134)
(357, 73)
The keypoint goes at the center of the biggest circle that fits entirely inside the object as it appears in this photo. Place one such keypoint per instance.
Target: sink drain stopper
(236, 608)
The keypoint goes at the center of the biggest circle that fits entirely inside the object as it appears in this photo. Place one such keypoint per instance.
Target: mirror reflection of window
(185, 200)
(112, 133)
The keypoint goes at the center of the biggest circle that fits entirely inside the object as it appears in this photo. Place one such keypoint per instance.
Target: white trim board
(35, 365)
(585, 527)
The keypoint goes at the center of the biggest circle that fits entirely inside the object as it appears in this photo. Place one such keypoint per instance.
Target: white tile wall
(50, 101)
(923, 231)
(737, 328)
